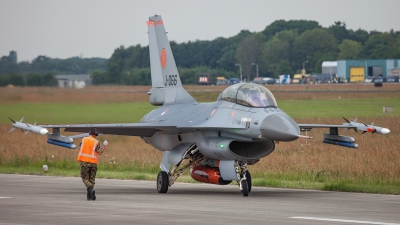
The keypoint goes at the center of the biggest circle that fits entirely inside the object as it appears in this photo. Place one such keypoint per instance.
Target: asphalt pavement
(28, 199)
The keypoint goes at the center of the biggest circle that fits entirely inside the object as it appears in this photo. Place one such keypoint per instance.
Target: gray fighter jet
(216, 141)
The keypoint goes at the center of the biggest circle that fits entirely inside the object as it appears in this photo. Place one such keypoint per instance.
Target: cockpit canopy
(250, 94)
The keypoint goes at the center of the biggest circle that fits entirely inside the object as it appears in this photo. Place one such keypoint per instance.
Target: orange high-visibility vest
(87, 152)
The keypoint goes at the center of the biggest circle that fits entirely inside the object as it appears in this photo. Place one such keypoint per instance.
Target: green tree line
(281, 48)
(44, 64)
(32, 79)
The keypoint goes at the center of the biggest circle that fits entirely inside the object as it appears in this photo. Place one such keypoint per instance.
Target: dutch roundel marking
(163, 58)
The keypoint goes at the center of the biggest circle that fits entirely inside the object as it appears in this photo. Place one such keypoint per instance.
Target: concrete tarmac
(27, 199)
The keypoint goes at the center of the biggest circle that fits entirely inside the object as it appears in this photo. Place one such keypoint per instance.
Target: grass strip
(288, 180)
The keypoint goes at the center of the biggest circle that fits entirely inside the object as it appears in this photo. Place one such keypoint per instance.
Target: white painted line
(5, 197)
(343, 221)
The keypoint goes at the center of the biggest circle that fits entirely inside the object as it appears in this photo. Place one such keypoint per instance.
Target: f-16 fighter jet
(215, 141)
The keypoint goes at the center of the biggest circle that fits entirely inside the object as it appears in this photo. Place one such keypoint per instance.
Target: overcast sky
(94, 28)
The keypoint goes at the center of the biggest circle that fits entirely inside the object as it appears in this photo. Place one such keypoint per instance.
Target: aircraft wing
(333, 136)
(349, 125)
(310, 126)
(143, 129)
(129, 129)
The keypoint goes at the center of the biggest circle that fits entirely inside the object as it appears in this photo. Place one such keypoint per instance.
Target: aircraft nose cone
(280, 127)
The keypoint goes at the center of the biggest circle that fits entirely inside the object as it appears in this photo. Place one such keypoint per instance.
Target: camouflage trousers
(88, 174)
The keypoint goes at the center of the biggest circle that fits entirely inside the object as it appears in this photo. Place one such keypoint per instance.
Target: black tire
(245, 188)
(162, 182)
(248, 178)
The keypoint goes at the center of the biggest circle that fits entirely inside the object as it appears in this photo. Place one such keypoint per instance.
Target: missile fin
(11, 120)
(346, 120)
(12, 129)
(21, 119)
(27, 132)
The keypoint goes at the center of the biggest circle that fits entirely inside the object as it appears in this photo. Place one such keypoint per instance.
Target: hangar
(357, 70)
(74, 80)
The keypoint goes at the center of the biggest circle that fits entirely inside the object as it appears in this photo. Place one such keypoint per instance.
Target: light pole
(256, 67)
(304, 71)
(240, 67)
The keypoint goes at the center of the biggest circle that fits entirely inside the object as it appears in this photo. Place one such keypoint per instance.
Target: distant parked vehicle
(263, 80)
(258, 80)
(221, 80)
(270, 81)
(393, 79)
(233, 81)
(368, 80)
(206, 79)
(284, 79)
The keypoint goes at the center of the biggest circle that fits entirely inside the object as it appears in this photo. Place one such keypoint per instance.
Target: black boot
(90, 193)
(93, 195)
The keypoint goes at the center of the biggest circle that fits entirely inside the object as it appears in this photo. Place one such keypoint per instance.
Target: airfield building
(357, 70)
(74, 81)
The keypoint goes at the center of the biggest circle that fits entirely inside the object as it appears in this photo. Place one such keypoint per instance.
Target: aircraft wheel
(162, 182)
(248, 178)
(245, 188)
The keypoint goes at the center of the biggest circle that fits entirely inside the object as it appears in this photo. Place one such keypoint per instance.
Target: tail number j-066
(171, 80)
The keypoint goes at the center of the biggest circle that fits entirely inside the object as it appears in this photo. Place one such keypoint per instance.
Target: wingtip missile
(12, 129)
(348, 122)
(28, 127)
(365, 127)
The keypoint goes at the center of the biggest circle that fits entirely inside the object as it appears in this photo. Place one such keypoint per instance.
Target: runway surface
(26, 199)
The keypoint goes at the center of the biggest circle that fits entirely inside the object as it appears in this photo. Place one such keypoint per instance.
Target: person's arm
(105, 143)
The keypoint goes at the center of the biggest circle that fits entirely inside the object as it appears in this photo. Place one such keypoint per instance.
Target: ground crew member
(89, 151)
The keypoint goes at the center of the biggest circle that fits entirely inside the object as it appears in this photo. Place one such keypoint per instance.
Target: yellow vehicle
(301, 78)
(297, 78)
(221, 80)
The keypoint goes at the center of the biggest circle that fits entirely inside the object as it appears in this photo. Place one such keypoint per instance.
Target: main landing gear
(162, 182)
(192, 157)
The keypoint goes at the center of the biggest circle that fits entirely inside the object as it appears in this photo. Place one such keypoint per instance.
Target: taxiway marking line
(343, 221)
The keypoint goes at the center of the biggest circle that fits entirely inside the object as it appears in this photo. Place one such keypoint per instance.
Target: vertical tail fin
(166, 82)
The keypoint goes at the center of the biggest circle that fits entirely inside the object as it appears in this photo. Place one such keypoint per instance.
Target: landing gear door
(164, 166)
(227, 168)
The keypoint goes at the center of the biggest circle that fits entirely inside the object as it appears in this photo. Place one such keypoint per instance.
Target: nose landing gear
(244, 183)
